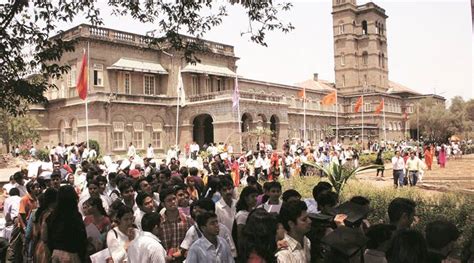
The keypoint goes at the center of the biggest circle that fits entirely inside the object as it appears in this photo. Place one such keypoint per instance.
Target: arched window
(341, 28)
(343, 81)
(365, 58)
(383, 60)
(377, 29)
(343, 59)
(364, 28)
(380, 59)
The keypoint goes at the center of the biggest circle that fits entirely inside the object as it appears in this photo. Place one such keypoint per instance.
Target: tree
(20, 130)
(470, 109)
(435, 121)
(27, 45)
(338, 174)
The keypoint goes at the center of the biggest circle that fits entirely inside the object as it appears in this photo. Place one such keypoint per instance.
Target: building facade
(133, 94)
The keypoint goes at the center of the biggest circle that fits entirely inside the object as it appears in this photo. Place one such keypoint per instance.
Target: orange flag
(358, 104)
(379, 108)
(302, 93)
(329, 99)
(82, 80)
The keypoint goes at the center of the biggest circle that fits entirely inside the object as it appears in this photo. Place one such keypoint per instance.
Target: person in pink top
(442, 157)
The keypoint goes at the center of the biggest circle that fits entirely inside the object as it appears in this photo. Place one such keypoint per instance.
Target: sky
(430, 44)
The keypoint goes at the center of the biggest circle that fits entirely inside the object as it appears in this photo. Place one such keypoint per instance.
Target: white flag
(180, 90)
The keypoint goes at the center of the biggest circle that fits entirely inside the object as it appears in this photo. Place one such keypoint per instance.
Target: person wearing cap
(379, 237)
(296, 222)
(440, 237)
(344, 244)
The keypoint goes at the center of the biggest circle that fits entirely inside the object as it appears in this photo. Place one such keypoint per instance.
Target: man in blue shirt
(210, 247)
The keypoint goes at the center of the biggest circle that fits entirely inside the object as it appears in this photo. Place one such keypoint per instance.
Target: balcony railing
(140, 40)
(228, 94)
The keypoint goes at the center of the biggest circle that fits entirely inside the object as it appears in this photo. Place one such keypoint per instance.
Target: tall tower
(360, 47)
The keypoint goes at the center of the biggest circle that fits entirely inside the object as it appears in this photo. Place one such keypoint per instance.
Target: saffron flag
(380, 107)
(236, 95)
(302, 93)
(82, 80)
(358, 104)
(329, 99)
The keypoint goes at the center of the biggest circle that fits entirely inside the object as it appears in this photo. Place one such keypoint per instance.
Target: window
(149, 85)
(365, 58)
(138, 135)
(195, 84)
(343, 81)
(157, 129)
(118, 136)
(367, 107)
(126, 83)
(98, 75)
(365, 80)
(220, 84)
(341, 29)
(364, 27)
(383, 60)
(343, 59)
(209, 85)
(71, 79)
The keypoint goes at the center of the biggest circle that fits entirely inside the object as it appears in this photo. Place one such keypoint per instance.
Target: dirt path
(457, 176)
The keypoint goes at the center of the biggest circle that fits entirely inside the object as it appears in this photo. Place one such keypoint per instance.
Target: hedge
(455, 207)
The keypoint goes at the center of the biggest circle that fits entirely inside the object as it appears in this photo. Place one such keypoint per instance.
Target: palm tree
(339, 174)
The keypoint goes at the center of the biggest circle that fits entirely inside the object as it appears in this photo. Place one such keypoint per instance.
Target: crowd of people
(215, 207)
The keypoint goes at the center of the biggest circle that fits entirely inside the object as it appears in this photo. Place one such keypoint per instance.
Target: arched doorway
(275, 130)
(246, 122)
(203, 129)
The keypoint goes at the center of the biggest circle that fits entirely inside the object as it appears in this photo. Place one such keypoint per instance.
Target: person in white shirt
(296, 222)
(6, 187)
(273, 205)
(147, 247)
(150, 153)
(145, 204)
(194, 233)
(11, 206)
(226, 206)
(119, 237)
(210, 247)
(194, 149)
(20, 183)
(131, 151)
(398, 166)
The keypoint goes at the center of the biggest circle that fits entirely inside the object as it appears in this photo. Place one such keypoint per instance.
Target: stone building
(133, 93)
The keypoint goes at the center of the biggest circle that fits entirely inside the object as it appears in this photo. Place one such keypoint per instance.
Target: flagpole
(87, 98)
(417, 123)
(362, 138)
(337, 124)
(304, 115)
(177, 108)
(384, 127)
(238, 114)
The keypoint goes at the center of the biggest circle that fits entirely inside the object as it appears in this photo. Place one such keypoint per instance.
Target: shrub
(454, 207)
(43, 155)
(95, 144)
